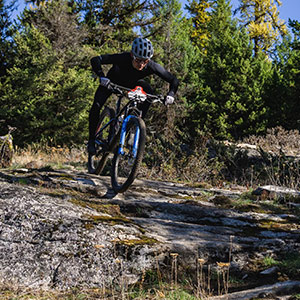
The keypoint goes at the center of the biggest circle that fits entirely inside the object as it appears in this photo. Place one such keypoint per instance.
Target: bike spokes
(104, 133)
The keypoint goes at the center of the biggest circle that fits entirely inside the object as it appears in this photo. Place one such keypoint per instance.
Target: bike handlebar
(121, 90)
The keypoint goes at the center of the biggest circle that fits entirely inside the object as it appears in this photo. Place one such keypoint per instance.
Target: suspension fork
(123, 135)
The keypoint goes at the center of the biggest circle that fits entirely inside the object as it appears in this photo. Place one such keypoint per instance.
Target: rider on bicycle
(128, 70)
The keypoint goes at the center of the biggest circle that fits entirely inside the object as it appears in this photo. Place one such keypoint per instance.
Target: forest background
(239, 70)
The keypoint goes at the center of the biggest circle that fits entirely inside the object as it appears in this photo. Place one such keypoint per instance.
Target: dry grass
(278, 139)
(192, 168)
(280, 149)
(38, 156)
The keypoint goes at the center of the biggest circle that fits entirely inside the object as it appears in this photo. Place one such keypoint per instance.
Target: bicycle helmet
(142, 48)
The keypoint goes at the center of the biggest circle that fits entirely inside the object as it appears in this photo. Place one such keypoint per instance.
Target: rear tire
(125, 166)
(96, 163)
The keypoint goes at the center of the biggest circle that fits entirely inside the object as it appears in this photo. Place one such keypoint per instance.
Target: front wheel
(96, 163)
(128, 156)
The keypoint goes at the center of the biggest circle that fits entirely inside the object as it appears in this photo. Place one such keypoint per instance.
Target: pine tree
(228, 102)
(200, 17)
(6, 32)
(174, 48)
(261, 17)
(42, 98)
(112, 24)
(61, 25)
(283, 91)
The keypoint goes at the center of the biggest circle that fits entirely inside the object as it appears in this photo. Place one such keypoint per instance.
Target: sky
(289, 9)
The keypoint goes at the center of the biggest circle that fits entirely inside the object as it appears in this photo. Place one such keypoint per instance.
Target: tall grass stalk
(159, 277)
(174, 271)
(200, 278)
(208, 279)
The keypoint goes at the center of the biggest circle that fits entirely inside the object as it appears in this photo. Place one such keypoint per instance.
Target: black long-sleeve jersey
(123, 72)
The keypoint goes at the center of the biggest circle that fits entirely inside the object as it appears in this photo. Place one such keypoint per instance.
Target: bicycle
(6, 148)
(121, 131)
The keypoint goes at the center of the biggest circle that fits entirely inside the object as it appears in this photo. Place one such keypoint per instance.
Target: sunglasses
(140, 61)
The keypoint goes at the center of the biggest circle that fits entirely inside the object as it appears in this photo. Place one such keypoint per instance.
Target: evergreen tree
(261, 18)
(175, 51)
(283, 91)
(48, 90)
(112, 24)
(228, 102)
(42, 98)
(61, 26)
(5, 35)
(200, 18)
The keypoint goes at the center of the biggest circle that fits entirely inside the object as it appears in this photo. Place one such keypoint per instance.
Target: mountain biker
(128, 70)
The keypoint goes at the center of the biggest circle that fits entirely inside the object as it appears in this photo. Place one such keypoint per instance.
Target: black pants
(102, 95)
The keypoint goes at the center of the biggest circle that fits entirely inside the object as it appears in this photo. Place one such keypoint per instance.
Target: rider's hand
(169, 100)
(104, 81)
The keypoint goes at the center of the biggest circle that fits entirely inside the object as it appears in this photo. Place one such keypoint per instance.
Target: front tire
(96, 163)
(125, 166)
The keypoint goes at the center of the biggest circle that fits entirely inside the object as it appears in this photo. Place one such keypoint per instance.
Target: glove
(169, 100)
(104, 81)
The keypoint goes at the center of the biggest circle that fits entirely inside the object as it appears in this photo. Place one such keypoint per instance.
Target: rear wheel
(97, 162)
(125, 163)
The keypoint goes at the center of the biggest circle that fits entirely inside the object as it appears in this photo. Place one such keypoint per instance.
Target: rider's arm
(106, 59)
(97, 66)
(167, 76)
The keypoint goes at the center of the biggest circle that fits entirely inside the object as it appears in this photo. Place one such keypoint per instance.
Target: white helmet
(142, 48)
